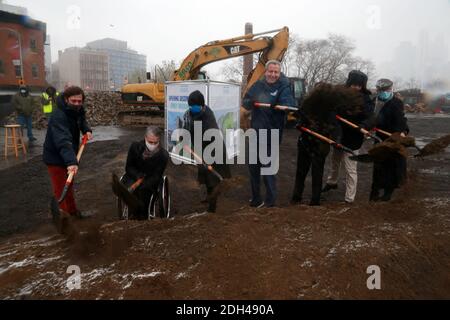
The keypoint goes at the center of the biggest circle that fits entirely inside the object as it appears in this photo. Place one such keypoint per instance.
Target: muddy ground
(290, 252)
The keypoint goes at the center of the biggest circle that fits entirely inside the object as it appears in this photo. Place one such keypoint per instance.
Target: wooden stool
(14, 139)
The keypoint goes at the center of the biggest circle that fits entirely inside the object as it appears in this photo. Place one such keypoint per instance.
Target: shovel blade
(121, 191)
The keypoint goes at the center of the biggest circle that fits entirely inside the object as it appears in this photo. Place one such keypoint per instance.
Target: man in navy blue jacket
(62, 143)
(275, 90)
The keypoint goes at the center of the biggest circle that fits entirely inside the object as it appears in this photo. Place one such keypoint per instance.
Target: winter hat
(196, 98)
(357, 78)
(384, 84)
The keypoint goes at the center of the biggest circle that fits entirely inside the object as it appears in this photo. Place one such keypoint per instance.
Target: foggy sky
(165, 30)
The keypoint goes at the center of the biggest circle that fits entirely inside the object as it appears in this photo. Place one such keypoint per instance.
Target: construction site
(289, 252)
(338, 250)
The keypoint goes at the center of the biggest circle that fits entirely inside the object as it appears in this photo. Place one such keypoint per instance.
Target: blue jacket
(63, 135)
(279, 93)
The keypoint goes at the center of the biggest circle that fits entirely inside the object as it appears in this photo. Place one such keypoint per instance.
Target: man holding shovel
(274, 90)
(208, 174)
(146, 162)
(390, 173)
(62, 142)
(352, 138)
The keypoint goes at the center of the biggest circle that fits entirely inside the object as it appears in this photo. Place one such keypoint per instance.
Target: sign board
(223, 98)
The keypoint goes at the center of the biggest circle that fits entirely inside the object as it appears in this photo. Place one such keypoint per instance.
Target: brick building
(22, 42)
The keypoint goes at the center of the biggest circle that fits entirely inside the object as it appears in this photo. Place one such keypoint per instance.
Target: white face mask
(151, 147)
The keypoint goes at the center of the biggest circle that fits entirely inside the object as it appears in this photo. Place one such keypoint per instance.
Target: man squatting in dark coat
(146, 159)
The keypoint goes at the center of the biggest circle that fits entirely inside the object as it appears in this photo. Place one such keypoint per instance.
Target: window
(33, 46)
(18, 71)
(2, 68)
(34, 71)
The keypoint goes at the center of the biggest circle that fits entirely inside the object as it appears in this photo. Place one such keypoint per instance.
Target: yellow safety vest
(48, 108)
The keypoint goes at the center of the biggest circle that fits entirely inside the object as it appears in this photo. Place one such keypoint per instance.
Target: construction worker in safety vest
(48, 101)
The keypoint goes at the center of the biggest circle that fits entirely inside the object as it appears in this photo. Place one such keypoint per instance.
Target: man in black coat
(199, 112)
(391, 173)
(311, 154)
(352, 138)
(62, 142)
(146, 159)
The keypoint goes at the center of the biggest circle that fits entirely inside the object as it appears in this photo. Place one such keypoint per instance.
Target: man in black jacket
(62, 143)
(200, 112)
(146, 159)
(391, 173)
(352, 138)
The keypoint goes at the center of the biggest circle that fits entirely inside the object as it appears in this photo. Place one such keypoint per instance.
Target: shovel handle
(72, 175)
(200, 160)
(135, 185)
(268, 105)
(327, 140)
(383, 132)
(355, 126)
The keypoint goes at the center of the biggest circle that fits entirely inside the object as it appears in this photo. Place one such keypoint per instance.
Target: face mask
(151, 147)
(23, 92)
(385, 96)
(196, 109)
(74, 107)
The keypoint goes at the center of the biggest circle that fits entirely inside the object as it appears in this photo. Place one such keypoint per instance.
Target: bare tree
(322, 60)
(164, 71)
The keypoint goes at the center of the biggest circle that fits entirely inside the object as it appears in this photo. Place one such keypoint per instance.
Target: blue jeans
(26, 121)
(270, 181)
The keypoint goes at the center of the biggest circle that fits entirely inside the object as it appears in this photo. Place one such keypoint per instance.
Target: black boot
(329, 187)
(374, 195)
(387, 195)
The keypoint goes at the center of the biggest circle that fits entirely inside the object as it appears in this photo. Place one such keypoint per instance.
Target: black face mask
(75, 107)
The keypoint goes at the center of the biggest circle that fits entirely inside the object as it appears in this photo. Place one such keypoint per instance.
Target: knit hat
(357, 78)
(196, 98)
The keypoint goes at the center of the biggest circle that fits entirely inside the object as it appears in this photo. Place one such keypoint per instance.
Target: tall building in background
(124, 63)
(82, 67)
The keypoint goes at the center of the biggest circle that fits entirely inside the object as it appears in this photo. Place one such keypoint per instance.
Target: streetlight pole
(19, 37)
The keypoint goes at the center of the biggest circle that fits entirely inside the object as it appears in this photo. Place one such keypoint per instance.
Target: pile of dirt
(102, 109)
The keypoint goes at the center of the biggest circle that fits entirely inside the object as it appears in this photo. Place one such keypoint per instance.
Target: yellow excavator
(144, 103)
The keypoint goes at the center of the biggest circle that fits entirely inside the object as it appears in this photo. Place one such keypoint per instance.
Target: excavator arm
(269, 47)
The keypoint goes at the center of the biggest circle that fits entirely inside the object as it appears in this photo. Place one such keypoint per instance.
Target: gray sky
(165, 30)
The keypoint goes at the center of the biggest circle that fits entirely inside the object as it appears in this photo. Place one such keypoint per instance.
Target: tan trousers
(351, 172)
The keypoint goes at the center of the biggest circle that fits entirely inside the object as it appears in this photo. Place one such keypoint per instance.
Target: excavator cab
(298, 88)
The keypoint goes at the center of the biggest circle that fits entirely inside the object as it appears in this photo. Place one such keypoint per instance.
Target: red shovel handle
(72, 175)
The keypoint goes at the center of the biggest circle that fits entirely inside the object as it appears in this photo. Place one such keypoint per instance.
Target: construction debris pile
(102, 108)
(417, 108)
